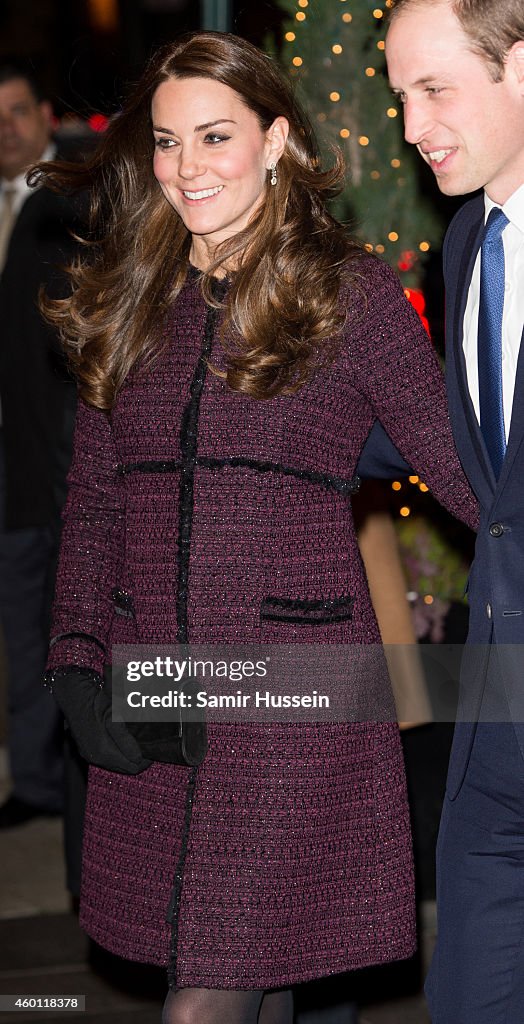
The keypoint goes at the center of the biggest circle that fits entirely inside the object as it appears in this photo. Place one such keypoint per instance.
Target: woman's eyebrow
(211, 124)
(199, 127)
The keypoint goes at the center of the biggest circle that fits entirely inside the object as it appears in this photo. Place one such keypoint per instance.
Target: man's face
(467, 127)
(25, 127)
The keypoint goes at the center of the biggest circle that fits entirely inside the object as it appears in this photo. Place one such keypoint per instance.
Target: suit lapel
(516, 430)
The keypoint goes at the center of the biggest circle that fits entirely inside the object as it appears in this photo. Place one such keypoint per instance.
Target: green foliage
(435, 563)
(381, 196)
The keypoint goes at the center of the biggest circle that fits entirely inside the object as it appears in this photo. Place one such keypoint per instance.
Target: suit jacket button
(496, 529)
(488, 610)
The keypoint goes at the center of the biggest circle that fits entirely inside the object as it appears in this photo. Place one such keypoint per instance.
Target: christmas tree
(335, 51)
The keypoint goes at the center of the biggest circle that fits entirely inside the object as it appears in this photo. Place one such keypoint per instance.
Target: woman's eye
(214, 137)
(164, 143)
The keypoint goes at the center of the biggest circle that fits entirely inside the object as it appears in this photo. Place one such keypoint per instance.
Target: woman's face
(211, 158)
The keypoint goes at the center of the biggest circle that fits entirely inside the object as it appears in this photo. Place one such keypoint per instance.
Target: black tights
(222, 1006)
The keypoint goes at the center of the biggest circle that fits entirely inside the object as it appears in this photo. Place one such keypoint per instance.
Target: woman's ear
(276, 137)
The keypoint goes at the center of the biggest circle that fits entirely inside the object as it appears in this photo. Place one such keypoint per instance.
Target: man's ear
(515, 61)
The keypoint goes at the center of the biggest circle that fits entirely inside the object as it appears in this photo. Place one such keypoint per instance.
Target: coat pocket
(319, 611)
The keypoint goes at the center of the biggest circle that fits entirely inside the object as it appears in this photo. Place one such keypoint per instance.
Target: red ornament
(98, 122)
(407, 260)
(416, 297)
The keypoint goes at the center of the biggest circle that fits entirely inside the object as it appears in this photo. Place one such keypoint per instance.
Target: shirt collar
(19, 184)
(513, 208)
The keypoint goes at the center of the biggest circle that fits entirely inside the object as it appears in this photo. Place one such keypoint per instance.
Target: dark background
(85, 64)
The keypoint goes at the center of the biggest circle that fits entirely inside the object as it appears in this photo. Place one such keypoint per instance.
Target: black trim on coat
(173, 914)
(307, 612)
(188, 447)
(123, 603)
(77, 635)
(332, 483)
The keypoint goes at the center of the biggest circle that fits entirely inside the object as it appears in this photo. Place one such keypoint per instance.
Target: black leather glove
(87, 709)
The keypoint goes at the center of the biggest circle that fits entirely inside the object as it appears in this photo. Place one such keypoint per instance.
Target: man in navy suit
(457, 67)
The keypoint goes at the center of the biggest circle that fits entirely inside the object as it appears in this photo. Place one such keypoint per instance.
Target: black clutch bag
(181, 741)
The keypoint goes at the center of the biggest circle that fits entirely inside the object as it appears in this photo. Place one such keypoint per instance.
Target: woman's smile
(202, 194)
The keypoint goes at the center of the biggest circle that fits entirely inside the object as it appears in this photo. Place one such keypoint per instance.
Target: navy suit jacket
(496, 585)
(496, 581)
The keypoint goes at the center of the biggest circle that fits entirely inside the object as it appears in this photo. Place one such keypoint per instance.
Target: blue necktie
(490, 338)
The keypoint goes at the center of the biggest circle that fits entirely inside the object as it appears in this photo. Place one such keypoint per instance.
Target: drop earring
(273, 169)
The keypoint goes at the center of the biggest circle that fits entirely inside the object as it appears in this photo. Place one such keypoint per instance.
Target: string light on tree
(103, 14)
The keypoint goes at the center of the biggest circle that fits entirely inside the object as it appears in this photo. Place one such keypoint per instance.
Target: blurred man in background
(37, 411)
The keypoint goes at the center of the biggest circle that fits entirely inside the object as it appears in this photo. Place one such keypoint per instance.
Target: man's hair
(493, 26)
(14, 68)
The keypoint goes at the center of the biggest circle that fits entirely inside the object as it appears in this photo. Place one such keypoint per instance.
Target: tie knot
(495, 225)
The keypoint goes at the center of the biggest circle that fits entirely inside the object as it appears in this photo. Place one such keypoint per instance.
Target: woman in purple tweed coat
(233, 350)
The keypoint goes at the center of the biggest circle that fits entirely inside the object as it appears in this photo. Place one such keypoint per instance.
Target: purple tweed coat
(286, 856)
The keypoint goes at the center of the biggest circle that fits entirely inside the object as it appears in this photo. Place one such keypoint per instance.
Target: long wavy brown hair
(283, 300)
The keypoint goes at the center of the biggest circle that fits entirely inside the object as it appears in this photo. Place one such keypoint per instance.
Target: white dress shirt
(513, 318)
(19, 184)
